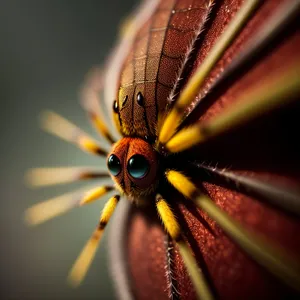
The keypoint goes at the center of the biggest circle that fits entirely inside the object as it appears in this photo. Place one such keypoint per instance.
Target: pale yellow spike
(94, 194)
(56, 206)
(181, 183)
(90, 101)
(270, 94)
(168, 218)
(59, 126)
(173, 228)
(39, 177)
(272, 257)
(193, 86)
(197, 276)
(84, 260)
(127, 26)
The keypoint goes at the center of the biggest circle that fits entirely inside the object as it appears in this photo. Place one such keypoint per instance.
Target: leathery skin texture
(266, 149)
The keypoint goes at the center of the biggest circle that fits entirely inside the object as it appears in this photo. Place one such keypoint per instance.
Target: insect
(175, 59)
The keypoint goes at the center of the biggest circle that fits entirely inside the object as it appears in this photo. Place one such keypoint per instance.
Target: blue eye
(138, 166)
(114, 165)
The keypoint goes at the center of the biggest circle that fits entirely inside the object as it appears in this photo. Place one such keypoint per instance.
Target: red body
(265, 150)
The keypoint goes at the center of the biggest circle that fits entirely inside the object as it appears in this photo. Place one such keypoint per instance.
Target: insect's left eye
(138, 166)
(114, 165)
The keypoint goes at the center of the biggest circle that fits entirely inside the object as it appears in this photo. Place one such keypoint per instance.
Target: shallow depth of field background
(46, 48)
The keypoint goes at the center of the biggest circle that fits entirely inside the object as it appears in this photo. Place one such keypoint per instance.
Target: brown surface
(267, 148)
(152, 66)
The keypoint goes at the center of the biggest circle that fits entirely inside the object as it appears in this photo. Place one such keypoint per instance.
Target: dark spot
(115, 106)
(102, 225)
(125, 100)
(122, 184)
(114, 165)
(138, 166)
(179, 109)
(158, 199)
(149, 139)
(140, 99)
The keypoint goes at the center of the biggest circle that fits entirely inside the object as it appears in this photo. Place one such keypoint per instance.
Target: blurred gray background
(46, 48)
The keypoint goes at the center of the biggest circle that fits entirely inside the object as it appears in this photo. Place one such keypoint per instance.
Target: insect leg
(51, 208)
(274, 259)
(91, 104)
(87, 254)
(57, 125)
(283, 17)
(192, 89)
(173, 228)
(275, 92)
(277, 194)
(38, 177)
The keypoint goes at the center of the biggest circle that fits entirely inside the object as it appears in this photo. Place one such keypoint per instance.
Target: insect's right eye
(114, 165)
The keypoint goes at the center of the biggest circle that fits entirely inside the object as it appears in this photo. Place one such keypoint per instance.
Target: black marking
(117, 111)
(195, 194)
(158, 198)
(122, 185)
(140, 99)
(110, 138)
(120, 120)
(132, 108)
(179, 109)
(133, 186)
(124, 101)
(89, 175)
(109, 188)
(102, 225)
(101, 152)
(115, 106)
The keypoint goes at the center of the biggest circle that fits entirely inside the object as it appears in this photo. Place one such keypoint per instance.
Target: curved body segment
(154, 64)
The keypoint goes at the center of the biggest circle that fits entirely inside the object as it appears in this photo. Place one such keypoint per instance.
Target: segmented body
(150, 72)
